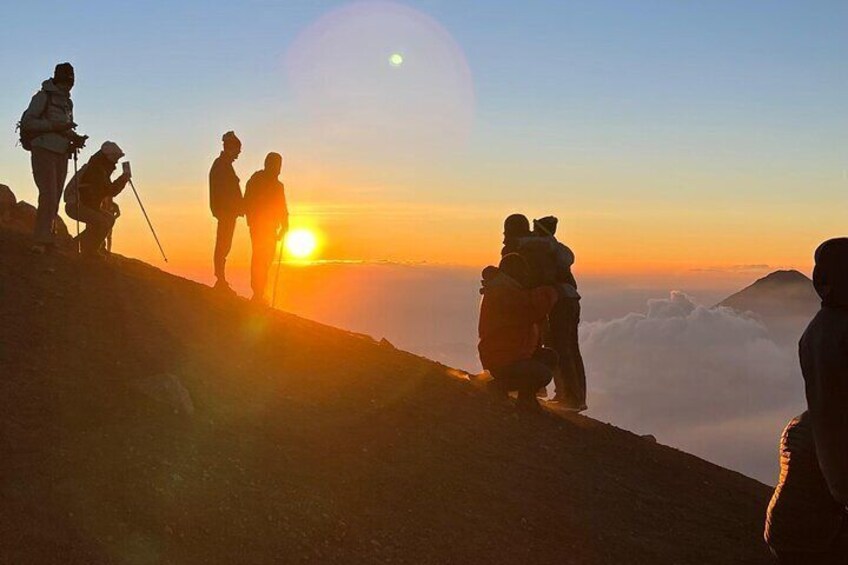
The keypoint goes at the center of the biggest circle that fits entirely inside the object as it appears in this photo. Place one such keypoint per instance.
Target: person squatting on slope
(267, 218)
(550, 263)
(46, 129)
(226, 203)
(511, 314)
(807, 520)
(88, 190)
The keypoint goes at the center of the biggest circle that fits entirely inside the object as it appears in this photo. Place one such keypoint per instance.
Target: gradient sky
(668, 136)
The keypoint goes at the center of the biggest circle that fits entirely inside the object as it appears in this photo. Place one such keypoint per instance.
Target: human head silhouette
(232, 144)
(545, 226)
(63, 76)
(274, 163)
(515, 266)
(516, 225)
(830, 275)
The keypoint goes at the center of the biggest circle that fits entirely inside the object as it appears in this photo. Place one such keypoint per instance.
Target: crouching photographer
(87, 192)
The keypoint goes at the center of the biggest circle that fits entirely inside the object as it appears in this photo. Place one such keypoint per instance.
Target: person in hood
(807, 521)
(570, 378)
(49, 122)
(511, 316)
(268, 220)
(226, 203)
(87, 192)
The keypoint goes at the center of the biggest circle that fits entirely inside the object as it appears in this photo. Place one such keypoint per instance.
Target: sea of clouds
(710, 381)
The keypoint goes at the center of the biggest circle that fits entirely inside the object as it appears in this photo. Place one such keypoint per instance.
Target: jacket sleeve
(32, 120)
(542, 299)
(117, 185)
(826, 373)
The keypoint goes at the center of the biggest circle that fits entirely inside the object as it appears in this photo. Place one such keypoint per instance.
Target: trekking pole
(277, 276)
(143, 211)
(76, 180)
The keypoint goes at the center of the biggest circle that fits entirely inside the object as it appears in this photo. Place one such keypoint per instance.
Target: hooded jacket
(265, 202)
(808, 506)
(50, 106)
(823, 351)
(550, 260)
(510, 319)
(93, 183)
(225, 199)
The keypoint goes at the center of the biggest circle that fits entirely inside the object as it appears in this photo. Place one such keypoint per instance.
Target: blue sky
(653, 104)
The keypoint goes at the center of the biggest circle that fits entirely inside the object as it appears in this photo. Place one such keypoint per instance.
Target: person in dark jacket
(49, 122)
(806, 521)
(268, 219)
(511, 315)
(570, 378)
(88, 190)
(225, 201)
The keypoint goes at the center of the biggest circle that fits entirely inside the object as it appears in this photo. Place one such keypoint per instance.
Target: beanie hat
(111, 150)
(516, 225)
(64, 72)
(547, 225)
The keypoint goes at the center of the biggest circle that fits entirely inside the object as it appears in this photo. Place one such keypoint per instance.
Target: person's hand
(124, 178)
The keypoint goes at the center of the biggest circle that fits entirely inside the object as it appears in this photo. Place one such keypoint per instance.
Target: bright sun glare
(396, 59)
(301, 243)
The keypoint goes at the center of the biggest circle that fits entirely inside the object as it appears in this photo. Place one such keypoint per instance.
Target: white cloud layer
(707, 380)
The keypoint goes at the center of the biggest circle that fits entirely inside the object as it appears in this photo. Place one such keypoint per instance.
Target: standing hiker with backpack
(47, 131)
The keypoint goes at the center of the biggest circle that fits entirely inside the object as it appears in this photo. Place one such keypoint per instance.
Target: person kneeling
(86, 193)
(511, 315)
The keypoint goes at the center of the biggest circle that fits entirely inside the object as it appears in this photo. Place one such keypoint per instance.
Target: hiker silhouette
(226, 204)
(268, 220)
(807, 521)
(87, 194)
(511, 315)
(549, 262)
(47, 131)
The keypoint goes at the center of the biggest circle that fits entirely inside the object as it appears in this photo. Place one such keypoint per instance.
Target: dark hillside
(305, 444)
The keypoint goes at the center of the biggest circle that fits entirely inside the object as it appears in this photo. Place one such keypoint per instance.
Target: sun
(396, 59)
(301, 243)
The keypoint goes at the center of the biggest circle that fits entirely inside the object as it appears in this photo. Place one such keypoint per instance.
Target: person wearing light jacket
(564, 320)
(49, 122)
(88, 190)
(807, 521)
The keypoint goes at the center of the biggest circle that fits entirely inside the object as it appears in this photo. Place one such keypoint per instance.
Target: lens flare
(301, 243)
(396, 59)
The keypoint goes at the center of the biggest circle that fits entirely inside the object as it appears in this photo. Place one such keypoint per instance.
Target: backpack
(25, 137)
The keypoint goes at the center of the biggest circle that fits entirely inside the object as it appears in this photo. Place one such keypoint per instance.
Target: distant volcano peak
(781, 294)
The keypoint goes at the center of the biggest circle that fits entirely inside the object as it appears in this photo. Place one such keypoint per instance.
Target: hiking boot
(528, 405)
(223, 287)
(497, 390)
